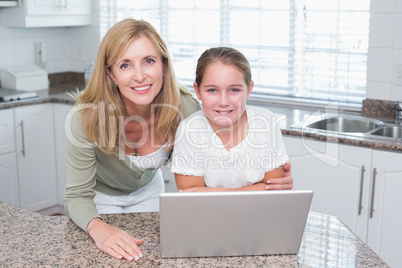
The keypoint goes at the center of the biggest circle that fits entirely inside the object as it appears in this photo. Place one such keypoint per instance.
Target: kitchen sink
(394, 132)
(355, 126)
(346, 124)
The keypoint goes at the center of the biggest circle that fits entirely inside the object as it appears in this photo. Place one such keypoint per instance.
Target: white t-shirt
(198, 151)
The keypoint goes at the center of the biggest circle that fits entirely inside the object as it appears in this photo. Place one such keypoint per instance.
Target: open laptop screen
(232, 223)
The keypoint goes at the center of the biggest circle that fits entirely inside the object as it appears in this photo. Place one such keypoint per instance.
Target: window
(298, 49)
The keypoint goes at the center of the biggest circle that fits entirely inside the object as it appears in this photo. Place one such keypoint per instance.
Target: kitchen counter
(30, 239)
(295, 116)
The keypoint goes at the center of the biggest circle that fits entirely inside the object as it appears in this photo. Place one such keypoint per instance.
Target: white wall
(73, 48)
(68, 48)
(385, 49)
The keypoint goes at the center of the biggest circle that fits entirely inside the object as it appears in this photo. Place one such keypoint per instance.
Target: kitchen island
(29, 239)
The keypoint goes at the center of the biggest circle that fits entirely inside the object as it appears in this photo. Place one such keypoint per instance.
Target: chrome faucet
(398, 113)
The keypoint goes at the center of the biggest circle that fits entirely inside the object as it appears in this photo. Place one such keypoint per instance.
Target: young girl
(227, 145)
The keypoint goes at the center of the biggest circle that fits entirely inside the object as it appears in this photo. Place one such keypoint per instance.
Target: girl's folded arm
(192, 183)
(185, 182)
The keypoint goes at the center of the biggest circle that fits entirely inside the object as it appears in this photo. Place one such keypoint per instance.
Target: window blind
(298, 49)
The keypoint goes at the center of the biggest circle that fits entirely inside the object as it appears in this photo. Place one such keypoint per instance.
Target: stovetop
(8, 95)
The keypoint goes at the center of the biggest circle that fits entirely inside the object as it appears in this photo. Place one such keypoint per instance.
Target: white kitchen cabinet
(48, 13)
(168, 178)
(36, 156)
(7, 141)
(360, 186)
(60, 112)
(338, 174)
(58, 7)
(9, 191)
(385, 221)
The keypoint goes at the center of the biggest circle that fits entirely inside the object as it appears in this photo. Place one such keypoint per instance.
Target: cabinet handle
(361, 190)
(22, 138)
(372, 193)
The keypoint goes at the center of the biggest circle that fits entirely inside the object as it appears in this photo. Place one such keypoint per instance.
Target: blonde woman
(121, 132)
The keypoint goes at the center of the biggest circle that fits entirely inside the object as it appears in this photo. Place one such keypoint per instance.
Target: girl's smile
(224, 112)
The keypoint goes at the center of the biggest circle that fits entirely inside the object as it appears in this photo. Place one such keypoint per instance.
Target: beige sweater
(89, 169)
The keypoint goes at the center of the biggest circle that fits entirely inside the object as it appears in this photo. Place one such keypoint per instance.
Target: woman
(122, 131)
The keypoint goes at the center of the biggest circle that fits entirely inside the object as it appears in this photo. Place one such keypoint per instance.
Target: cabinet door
(9, 191)
(7, 141)
(48, 13)
(385, 232)
(339, 176)
(58, 7)
(36, 156)
(168, 177)
(60, 112)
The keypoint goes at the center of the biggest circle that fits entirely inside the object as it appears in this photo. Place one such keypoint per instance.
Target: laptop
(232, 223)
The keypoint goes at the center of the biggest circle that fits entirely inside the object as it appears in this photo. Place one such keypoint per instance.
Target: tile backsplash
(67, 48)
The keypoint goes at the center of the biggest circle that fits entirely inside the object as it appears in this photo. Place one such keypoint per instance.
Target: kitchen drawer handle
(361, 190)
(22, 138)
(372, 192)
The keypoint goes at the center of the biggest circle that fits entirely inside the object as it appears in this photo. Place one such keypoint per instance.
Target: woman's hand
(284, 183)
(114, 241)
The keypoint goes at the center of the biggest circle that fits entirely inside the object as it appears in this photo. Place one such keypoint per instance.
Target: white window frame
(327, 70)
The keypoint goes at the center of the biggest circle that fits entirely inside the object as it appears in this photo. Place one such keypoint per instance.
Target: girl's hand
(284, 183)
(114, 241)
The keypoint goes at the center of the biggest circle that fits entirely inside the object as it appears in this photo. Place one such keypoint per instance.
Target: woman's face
(223, 93)
(138, 72)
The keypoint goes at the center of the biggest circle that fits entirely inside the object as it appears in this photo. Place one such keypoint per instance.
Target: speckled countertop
(295, 116)
(29, 239)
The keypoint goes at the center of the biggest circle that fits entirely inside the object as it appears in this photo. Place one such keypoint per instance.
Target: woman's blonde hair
(101, 119)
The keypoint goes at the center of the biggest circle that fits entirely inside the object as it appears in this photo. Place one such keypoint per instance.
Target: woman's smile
(142, 89)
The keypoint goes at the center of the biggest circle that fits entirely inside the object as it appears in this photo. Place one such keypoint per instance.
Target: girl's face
(138, 72)
(223, 93)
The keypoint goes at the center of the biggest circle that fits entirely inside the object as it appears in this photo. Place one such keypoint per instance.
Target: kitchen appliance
(11, 95)
(27, 78)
